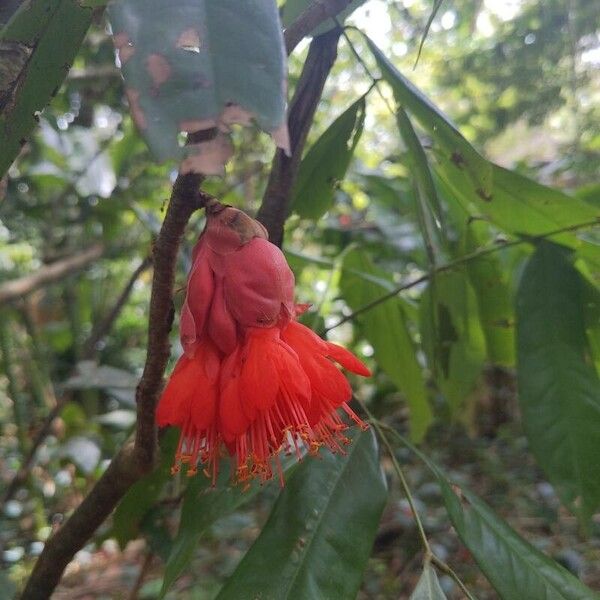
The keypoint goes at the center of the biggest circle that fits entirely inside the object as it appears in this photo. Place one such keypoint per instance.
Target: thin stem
(401, 477)
(445, 568)
(438, 562)
(364, 65)
(430, 556)
(458, 263)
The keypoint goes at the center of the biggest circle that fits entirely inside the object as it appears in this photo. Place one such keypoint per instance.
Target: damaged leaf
(216, 64)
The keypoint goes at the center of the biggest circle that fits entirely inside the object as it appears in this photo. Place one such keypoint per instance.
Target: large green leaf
(591, 299)
(202, 506)
(192, 65)
(511, 201)
(515, 568)
(318, 538)
(428, 587)
(456, 345)
(384, 326)
(37, 47)
(524, 207)
(326, 163)
(559, 389)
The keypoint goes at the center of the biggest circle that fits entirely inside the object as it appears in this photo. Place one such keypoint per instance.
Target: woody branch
(137, 458)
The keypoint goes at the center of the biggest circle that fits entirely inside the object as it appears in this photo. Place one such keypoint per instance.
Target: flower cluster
(252, 379)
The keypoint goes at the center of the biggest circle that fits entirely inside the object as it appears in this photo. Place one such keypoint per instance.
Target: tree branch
(136, 459)
(312, 17)
(133, 460)
(105, 324)
(17, 288)
(275, 205)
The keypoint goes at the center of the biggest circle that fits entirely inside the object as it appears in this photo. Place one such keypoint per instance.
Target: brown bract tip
(227, 217)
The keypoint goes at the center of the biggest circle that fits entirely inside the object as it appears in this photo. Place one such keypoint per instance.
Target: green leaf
(142, 496)
(492, 287)
(456, 346)
(511, 201)
(294, 8)
(515, 568)
(524, 207)
(38, 45)
(215, 63)
(384, 326)
(428, 587)
(559, 389)
(455, 148)
(591, 299)
(202, 506)
(326, 163)
(319, 535)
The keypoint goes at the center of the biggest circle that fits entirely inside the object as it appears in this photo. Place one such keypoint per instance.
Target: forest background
(464, 270)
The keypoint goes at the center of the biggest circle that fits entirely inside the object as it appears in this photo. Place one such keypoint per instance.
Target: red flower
(252, 378)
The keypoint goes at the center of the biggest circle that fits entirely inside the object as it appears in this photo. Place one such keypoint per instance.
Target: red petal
(174, 404)
(332, 383)
(300, 336)
(260, 378)
(293, 376)
(232, 418)
(347, 359)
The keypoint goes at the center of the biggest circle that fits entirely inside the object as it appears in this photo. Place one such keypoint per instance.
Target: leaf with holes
(559, 389)
(454, 146)
(319, 535)
(509, 200)
(326, 163)
(200, 66)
